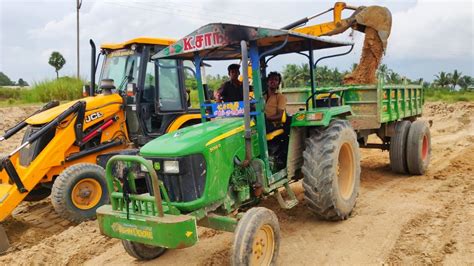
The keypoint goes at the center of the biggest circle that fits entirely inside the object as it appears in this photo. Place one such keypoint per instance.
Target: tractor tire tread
(319, 170)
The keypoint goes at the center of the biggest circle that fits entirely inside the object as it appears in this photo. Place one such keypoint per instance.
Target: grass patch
(62, 89)
(444, 95)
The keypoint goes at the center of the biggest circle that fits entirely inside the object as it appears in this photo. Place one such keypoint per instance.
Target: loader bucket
(4, 244)
(376, 17)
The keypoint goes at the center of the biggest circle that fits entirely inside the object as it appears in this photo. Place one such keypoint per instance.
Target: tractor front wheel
(257, 238)
(78, 191)
(331, 171)
(142, 251)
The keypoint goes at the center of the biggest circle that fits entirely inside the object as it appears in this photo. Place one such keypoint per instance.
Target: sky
(427, 36)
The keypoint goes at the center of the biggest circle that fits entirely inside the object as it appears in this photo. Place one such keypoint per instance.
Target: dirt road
(398, 219)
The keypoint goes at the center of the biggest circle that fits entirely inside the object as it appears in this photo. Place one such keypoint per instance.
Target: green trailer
(215, 173)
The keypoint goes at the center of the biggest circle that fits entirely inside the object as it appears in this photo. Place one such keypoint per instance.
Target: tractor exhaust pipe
(93, 51)
(245, 80)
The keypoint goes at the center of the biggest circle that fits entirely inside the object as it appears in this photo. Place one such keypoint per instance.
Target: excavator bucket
(376, 17)
(4, 244)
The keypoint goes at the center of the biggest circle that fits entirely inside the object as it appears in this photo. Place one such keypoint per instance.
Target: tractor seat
(277, 132)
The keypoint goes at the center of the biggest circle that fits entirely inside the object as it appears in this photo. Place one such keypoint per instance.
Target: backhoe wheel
(418, 147)
(331, 171)
(79, 191)
(257, 238)
(142, 251)
(398, 147)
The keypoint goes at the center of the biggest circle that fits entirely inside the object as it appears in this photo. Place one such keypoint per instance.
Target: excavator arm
(376, 17)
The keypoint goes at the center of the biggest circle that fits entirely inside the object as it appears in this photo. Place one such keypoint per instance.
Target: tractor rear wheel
(331, 171)
(398, 147)
(142, 251)
(78, 191)
(257, 238)
(418, 147)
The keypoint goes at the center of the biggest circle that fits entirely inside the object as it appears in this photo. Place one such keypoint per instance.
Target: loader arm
(376, 17)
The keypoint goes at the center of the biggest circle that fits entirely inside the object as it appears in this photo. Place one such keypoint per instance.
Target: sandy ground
(398, 219)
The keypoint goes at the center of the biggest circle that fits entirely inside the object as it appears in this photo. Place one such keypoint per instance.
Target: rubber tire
(398, 147)
(142, 251)
(62, 190)
(38, 194)
(418, 130)
(321, 188)
(246, 231)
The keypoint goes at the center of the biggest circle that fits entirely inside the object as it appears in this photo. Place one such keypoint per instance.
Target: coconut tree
(383, 71)
(465, 82)
(442, 79)
(455, 78)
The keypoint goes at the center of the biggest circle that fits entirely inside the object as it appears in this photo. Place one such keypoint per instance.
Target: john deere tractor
(215, 173)
(65, 147)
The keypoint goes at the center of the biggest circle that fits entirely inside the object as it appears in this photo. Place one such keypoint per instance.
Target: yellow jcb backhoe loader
(66, 147)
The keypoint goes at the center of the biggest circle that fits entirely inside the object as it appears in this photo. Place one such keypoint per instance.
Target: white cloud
(433, 29)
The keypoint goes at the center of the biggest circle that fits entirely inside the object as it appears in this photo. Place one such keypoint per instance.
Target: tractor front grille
(188, 184)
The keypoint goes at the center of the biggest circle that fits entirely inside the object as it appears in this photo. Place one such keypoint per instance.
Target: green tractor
(215, 173)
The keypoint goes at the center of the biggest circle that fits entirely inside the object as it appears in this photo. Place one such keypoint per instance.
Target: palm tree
(290, 74)
(442, 79)
(383, 71)
(455, 78)
(393, 77)
(465, 82)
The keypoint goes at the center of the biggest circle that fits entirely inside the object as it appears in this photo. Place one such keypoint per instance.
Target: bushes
(62, 89)
(445, 95)
(8, 93)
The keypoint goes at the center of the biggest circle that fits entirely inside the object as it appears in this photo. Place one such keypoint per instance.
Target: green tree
(442, 79)
(22, 83)
(5, 80)
(455, 78)
(393, 77)
(291, 76)
(383, 71)
(465, 82)
(57, 61)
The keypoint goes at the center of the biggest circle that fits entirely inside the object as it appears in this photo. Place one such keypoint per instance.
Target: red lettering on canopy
(187, 43)
(207, 39)
(198, 43)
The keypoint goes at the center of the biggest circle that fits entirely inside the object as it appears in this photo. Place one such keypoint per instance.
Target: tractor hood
(92, 103)
(193, 139)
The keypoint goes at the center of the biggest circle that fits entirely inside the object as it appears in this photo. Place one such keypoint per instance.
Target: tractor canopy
(219, 41)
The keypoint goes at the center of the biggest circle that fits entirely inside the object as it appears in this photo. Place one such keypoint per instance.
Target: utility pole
(78, 6)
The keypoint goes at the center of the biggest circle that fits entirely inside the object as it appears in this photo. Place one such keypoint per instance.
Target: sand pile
(369, 62)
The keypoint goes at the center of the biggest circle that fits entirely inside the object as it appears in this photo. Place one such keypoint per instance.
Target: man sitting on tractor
(275, 103)
(231, 91)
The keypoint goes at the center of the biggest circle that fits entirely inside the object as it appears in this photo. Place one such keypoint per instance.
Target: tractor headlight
(171, 167)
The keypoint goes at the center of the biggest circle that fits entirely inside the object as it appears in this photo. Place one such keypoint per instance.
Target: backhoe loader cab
(154, 90)
(64, 145)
